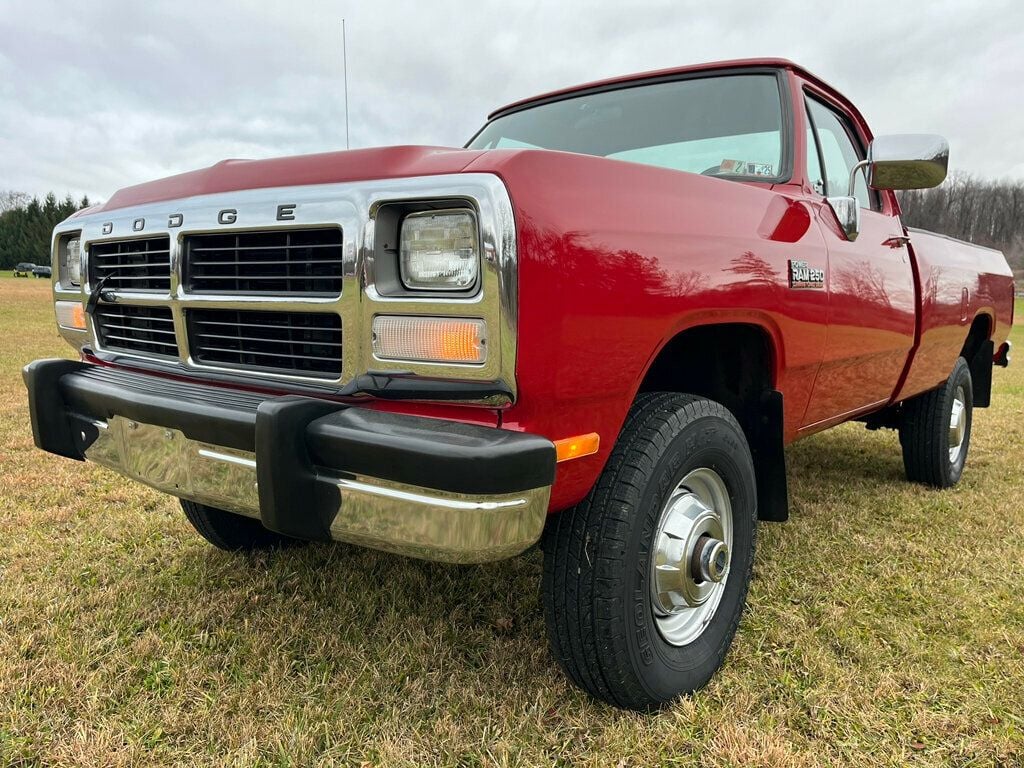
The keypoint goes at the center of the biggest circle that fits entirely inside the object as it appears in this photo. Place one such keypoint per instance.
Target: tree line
(26, 225)
(985, 212)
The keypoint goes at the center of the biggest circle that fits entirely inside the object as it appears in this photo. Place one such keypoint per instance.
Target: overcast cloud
(99, 95)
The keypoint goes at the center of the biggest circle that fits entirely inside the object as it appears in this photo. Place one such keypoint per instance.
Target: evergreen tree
(26, 225)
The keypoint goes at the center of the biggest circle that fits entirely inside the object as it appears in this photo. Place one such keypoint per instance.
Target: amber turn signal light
(70, 314)
(577, 447)
(430, 339)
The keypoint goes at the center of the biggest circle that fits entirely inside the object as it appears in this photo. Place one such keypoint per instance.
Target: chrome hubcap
(957, 425)
(692, 547)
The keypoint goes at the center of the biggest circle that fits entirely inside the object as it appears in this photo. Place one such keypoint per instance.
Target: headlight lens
(439, 251)
(71, 261)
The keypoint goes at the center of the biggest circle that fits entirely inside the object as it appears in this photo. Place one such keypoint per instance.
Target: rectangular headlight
(439, 250)
(430, 339)
(69, 256)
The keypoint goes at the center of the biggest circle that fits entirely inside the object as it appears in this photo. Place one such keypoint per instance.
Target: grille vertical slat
(297, 343)
(132, 265)
(146, 330)
(290, 262)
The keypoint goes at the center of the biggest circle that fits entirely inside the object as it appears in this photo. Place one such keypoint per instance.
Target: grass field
(885, 625)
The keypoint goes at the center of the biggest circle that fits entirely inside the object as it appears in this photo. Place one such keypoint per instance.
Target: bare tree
(984, 212)
(9, 200)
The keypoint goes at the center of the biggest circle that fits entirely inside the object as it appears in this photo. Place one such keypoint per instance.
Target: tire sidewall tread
(924, 431)
(615, 650)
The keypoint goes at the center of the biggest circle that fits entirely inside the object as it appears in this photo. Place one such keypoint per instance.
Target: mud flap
(768, 450)
(981, 373)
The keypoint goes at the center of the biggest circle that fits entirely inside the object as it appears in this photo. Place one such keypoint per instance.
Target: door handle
(897, 241)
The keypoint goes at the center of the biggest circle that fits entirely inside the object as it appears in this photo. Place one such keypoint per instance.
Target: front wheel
(935, 430)
(231, 532)
(645, 580)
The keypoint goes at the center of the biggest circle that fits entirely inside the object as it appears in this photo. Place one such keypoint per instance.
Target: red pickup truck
(596, 326)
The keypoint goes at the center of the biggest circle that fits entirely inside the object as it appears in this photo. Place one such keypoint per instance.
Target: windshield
(726, 125)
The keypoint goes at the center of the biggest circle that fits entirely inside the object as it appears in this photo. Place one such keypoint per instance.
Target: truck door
(870, 281)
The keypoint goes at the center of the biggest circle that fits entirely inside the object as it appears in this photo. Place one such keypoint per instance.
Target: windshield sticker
(745, 168)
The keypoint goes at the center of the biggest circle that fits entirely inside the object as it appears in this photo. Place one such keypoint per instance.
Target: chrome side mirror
(904, 161)
(847, 210)
(907, 161)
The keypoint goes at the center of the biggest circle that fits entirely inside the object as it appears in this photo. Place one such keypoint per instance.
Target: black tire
(596, 591)
(231, 532)
(925, 431)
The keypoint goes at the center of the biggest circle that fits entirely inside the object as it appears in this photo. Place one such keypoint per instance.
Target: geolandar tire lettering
(645, 580)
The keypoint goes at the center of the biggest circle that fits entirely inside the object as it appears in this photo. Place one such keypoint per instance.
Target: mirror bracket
(861, 166)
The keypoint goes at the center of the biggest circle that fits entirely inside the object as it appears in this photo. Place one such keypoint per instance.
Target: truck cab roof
(665, 74)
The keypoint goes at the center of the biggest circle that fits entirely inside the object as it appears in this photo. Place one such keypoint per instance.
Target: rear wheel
(935, 430)
(231, 532)
(645, 580)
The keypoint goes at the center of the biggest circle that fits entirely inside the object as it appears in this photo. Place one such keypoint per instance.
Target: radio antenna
(344, 64)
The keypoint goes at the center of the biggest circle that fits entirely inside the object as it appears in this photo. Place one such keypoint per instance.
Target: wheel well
(978, 351)
(733, 365)
(981, 331)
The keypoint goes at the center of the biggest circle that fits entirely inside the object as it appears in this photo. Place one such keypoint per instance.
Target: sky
(99, 95)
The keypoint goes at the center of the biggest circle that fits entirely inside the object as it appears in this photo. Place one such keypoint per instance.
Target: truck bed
(958, 284)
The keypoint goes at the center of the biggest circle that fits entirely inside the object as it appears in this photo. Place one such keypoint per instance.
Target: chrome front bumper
(305, 471)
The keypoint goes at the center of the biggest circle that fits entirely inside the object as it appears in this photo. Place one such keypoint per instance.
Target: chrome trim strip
(375, 513)
(352, 207)
(421, 498)
(206, 453)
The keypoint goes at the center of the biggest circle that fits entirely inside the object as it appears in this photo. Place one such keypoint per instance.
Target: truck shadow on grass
(378, 625)
(849, 453)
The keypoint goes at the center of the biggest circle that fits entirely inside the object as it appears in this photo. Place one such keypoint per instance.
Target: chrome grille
(297, 343)
(147, 330)
(299, 261)
(132, 265)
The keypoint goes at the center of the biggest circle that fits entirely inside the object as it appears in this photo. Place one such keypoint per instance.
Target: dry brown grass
(885, 626)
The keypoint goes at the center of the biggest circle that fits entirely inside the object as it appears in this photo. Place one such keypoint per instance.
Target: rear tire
(231, 532)
(608, 561)
(935, 430)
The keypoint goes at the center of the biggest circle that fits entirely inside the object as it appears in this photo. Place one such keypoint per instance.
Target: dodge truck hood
(323, 168)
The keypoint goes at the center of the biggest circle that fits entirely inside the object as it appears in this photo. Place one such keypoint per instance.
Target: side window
(839, 153)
